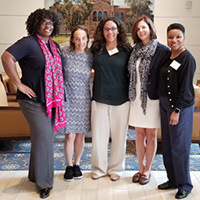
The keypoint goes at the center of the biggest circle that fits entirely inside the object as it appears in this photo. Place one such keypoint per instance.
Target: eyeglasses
(47, 23)
(112, 29)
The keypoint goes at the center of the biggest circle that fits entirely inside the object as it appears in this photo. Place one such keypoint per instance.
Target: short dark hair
(176, 26)
(37, 17)
(149, 22)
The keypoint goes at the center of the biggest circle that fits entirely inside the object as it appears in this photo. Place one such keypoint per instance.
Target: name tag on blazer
(175, 65)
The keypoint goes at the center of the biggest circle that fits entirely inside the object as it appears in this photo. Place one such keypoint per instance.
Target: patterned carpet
(14, 155)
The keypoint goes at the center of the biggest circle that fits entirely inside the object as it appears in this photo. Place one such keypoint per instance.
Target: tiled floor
(14, 185)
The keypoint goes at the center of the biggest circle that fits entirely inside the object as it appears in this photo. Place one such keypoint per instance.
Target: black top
(111, 79)
(31, 59)
(178, 84)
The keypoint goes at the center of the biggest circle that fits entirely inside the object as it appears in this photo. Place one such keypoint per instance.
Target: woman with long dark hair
(110, 103)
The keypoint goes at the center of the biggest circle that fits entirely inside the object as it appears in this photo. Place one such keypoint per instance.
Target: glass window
(104, 14)
(94, 16)
(122, 16)
(117, 15)
(99, 16)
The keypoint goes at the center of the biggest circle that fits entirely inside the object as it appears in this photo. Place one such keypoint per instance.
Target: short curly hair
(37, 17)
(99, 41)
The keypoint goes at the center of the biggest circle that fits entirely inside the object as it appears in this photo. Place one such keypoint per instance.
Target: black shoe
(165, 186)
(44, 193)
(77, 172)
(68, 176)
(182, 194)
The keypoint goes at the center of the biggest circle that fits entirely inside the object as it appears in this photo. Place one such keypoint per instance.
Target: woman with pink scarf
(40, 91)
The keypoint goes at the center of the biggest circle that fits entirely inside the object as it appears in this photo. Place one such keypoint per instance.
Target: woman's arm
(9, 64)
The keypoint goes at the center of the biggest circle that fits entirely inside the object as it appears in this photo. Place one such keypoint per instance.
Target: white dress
(136, 116)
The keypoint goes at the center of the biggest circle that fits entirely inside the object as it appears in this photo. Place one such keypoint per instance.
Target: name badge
(175, 65)
(113, 51)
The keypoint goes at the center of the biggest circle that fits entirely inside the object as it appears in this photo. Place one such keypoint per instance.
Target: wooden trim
(10, 108)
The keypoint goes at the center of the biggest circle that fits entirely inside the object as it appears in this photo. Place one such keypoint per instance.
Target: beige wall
(13, 15)
(170, 11)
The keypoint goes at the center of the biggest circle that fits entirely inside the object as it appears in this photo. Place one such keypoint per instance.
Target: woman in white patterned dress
(76, 71)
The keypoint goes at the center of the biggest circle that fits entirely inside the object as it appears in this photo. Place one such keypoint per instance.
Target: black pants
(176, 142)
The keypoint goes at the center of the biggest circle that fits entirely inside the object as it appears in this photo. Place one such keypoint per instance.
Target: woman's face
(80, 40)
(110, 31)
(175, 39)
(46, 28)
(143, 32)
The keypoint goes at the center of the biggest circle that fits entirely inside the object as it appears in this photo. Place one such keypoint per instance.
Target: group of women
(132, 86)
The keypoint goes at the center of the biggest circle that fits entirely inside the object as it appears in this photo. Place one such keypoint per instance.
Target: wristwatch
(177, 110)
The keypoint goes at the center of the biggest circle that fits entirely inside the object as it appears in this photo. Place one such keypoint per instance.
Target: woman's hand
(26, 90)
(174, 118)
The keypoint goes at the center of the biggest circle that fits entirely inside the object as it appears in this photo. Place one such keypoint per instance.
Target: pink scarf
(54, 89)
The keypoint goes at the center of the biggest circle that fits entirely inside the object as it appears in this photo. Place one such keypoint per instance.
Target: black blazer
(161, 54)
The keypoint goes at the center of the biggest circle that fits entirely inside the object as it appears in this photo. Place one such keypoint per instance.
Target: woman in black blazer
(146, 58)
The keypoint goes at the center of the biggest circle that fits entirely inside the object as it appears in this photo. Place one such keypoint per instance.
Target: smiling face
(110, 32)
(175, 40)
(143, 32)
(80, 40)
(46, 29)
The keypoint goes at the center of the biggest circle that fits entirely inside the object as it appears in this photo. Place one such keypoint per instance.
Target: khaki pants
(106, 120)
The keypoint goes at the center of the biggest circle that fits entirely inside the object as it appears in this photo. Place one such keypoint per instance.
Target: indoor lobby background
(13, 15)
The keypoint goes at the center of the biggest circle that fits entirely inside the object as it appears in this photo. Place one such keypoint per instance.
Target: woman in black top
(40, 91)
(110, 105)
(177, 105)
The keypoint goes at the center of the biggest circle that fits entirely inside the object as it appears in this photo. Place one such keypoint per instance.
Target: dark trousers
(41, 167)
(176, 142)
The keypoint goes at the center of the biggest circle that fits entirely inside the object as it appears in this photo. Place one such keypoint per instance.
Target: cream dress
(136, 117)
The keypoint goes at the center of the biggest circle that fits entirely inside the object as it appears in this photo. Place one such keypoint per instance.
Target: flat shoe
(44, 193)
(114, 177)
(165, 186)
(136, 177)
(182, 194)
(95, 176)
(144, 179)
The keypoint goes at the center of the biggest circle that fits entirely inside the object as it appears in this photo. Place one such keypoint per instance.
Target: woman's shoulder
(186, 56)
(23, 45)
(27, 39)
(163, 47)
(127, 50)
(89, 54)
(65, 50)
(162, 51)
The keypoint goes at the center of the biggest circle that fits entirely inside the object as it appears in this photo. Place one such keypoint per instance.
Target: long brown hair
(147, 20)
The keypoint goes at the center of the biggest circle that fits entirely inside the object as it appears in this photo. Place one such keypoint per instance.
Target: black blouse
(31, 59)
(111, 79)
